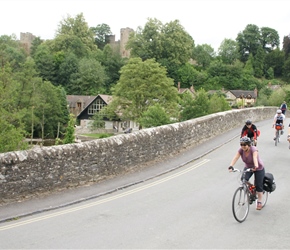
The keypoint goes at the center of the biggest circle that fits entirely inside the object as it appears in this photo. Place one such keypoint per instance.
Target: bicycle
(278, 128)
(244, 196)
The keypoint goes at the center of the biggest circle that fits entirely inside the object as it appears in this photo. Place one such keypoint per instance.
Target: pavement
(72, 196)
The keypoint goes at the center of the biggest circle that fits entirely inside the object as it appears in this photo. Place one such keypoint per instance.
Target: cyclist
(278, 119)
(250, 130)
(288, 137)
(283, 107)
(249, 155)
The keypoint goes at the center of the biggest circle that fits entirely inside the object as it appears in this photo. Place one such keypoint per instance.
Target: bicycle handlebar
(238, 170)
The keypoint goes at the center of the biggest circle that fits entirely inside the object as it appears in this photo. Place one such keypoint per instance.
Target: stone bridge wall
(47, 169)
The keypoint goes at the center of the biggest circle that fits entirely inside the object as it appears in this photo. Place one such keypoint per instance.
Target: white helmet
(279, 111)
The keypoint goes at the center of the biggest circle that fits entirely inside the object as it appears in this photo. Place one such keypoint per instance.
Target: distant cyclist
(250, 130)
(283, 107)
(278, 120)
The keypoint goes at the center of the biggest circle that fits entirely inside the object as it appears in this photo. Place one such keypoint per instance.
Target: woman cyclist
(250, 157)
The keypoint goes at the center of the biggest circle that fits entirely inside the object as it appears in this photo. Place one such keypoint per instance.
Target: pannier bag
(279, 127)
(269, 183)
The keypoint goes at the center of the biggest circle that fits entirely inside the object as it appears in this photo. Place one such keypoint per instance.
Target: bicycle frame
(244, 197)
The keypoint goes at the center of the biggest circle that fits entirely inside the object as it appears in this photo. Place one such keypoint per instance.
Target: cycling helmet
(279, 111)
(248, 122)
(246, 140)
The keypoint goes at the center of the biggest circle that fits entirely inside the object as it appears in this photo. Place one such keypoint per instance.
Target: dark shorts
(259, 178)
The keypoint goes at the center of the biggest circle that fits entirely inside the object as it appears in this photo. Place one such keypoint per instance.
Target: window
(96, 106)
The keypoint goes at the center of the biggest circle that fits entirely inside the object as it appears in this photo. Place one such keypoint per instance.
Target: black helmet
(245, 140)
(248, 122)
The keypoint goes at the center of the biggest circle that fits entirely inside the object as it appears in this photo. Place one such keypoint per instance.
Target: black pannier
(269, 183)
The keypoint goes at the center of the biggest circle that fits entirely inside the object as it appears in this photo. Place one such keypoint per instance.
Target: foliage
(154, 116)
(169, 44)
(101, 31)
(218, 103)
(186, 104)
(70, 130)
(203, 54)
(228, 51)
(98, 121)
(141, 85)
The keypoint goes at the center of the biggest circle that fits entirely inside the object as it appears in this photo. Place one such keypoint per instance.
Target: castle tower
(125, 32)
(26, 40)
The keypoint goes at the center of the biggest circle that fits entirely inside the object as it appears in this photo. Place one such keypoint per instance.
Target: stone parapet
(48, 169)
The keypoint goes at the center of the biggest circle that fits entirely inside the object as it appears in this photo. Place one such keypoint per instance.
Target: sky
(207, 21)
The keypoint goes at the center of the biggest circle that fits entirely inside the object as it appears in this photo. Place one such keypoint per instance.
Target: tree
(218, 103)
(275, 60)
(154, 116)
(203, 54)
(74, 35)
(101, 32)
(248, 41)
(169, 44)
(69, 136)
(141, 85)
(228, 51)
(286, 46)
(269, 39)
(90, 78)
(186, 107)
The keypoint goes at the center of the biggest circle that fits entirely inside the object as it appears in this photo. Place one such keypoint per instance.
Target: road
(188, 208)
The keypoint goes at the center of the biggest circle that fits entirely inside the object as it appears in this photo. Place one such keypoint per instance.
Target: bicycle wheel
(277, 137)
(240, 204)
(265, 198)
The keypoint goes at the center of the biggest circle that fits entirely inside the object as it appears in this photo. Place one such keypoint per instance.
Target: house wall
(47, 169)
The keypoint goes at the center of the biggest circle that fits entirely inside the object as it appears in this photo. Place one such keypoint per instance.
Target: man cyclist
(278, 120)
(250, 130)
(283, 108)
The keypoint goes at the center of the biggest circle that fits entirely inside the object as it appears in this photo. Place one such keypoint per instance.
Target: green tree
(98, 121)
(186, 107)
(74, 35)
(248, 41)
(218, 103)
(201, 103)
(90, 79)
(286, 46)
(101, 32)
(141, 85)
(69, 136)
(270, 39)
(203, 54)
(275, 60)
(169, 44)
(154, 116)
(228, 51)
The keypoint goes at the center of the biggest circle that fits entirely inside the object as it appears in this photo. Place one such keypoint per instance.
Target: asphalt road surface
(188, 206)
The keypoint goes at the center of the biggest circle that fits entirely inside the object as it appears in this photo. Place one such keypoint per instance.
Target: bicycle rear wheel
(265, 198)
(240, 204)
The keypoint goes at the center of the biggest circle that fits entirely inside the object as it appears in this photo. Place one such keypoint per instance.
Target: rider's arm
(274, 121)
(234, 160)
(255, 159)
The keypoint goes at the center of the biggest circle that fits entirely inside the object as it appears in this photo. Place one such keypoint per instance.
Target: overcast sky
(207, 21)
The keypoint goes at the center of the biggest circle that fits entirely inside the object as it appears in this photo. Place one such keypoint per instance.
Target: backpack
(269, 184)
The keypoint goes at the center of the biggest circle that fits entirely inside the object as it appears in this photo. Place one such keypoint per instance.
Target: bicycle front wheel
(241, 204)
(277, 137)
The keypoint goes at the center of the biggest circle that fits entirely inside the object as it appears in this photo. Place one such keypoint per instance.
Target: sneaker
(274, 138)
(259, 205)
